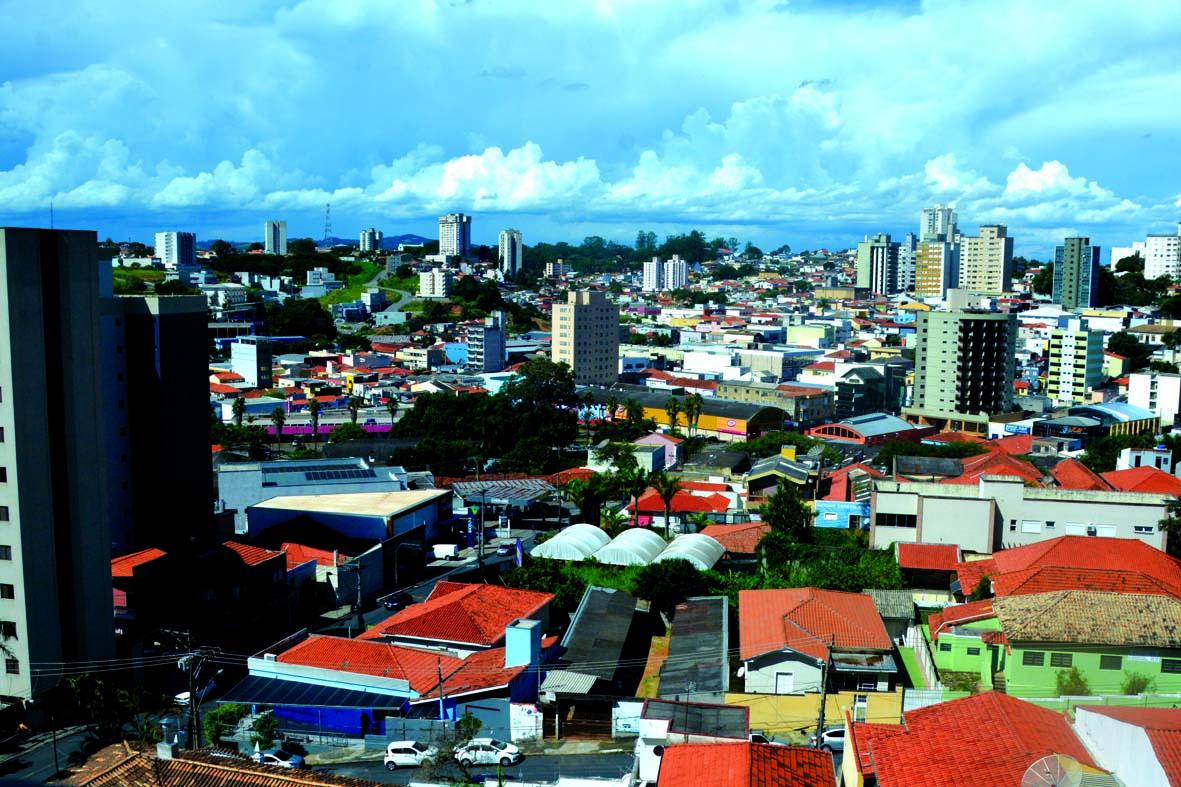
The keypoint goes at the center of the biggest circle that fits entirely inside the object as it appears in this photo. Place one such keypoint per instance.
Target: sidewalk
(39, 739)
(550, 747)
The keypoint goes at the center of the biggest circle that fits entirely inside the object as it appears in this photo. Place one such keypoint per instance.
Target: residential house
(928, 569)
(665, 723)
(744, 764)
(740, 541)
(1138, 745)
(697, 668)
(766, 475)
(602, 648)
(671, 444)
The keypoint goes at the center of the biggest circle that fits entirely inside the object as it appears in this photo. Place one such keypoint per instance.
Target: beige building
(803, 404)
(586, 337)
(936, 268)
(986, 260)
(435, 283)
(1076, 363)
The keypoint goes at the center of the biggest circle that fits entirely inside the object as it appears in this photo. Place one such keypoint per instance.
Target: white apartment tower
(586, 337)
(435, 283)
(986, 260)
(512, 253)
(676, 273)
(937, 223)
(1075, 363)
(371, 239)
(653, 275)
(1157, 392)
(177, 249)
(1161, 254)
(455, 235)
(274, 234)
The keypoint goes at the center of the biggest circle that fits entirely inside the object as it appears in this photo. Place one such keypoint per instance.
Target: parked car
(487, 751)
(408, 754)
(506, 549)
(832, 739)
(397, 601)
(279, 758)
(758, 737)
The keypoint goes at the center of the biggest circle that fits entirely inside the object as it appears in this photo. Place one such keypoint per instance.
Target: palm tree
(391, 405)
(588, 403)
(632, 482)
(667, 487)
(585, 496)
(612, 522)
(278, 418)
(621, 456)
(700, 520)
(354, 407)
(612, 407)
(633, 411)
(239, 410)
(314, 412)
(673, 408)
(693, 406)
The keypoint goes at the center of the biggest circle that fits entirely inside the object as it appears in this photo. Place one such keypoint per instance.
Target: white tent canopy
(636, 546)
(702, 551)
(577, 542)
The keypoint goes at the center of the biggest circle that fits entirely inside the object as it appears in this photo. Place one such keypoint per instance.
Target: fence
(779, 714)
(922, 651)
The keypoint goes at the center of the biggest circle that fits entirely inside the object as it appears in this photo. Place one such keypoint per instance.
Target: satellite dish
(1057, 770)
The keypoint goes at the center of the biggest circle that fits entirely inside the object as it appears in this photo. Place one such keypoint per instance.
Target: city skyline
(779, 141)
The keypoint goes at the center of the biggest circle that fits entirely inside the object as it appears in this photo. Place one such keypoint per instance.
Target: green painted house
(1117, 641)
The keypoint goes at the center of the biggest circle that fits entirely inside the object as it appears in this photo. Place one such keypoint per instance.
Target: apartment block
(1076, 274)
(455, 235)
(274, 237)
(936, 268)
(371, 239)
(1157, 392)
(653, 278)
(486, 343)
(586, 337)
(1161, 254)
(937, 223)
(176, 249)
(676, 273)
(877, 265)
(1075, 363)
(986, 260)
(435, 283)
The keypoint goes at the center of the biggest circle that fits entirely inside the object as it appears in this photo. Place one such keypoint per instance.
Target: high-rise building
(986, 260)
(59, 407)
(274, 234)
(435, 283)
(371, 239)
(176, 249)
(455, 235)
(1161, 254)
(877, 265)
(676, 273)
(486, 344)
(586, 337)
(653, 275)
(964, 364)
(250, 356)
(906, 262)
(1076, 274)
(1157, 392)
(937, 223)
(1075, 363)
(936, 268)
(512, 253)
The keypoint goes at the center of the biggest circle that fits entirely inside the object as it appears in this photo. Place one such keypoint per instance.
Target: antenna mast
(327, 222)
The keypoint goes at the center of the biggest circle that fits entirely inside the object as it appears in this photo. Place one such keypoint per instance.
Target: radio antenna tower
(327, 222)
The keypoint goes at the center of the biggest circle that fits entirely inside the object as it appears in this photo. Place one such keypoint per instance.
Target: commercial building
(512, 253)
(1156, 392)
(1161, 254)
(986, 260)
(936, 268)
(877, 265)
(455, 235)
(60, 411)
(964, 368)
(1075, 363)
(804, 405)
(653, 275)
(486, 344)
(435, 283)
(1076, 274)
(250, 356)
(371, 239)
(176, 249)
(556, 270)
(937, 223)
(676, 273)
(274, 234)
(586, 337)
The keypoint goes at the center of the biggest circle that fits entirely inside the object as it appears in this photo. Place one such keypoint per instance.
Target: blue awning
(257, 690)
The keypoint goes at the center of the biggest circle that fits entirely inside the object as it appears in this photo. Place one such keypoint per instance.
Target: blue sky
(808, 123)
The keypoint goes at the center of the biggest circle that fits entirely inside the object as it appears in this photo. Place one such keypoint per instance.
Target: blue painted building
(842, 514)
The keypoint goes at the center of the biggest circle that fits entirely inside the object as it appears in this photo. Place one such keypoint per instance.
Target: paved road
(34, 764)
(540, 768)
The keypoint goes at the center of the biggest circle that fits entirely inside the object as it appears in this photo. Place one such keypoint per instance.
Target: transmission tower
(327, 222)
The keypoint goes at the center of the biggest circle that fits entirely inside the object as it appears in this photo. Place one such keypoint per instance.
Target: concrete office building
(176, 249)
(1161, 254)
(964, 366)
(556, 270)
(486, 344)
(435, 283)
(1157, 392)
(653, 275)
(877, 265)
(512, 253)
(676, 273)
(937, 223)
(986, 260)
(586, 337)
(274, 237)
(455, 235)
(371, 239)
(906, 262)
(936, 268)
(250, 356)
(59, 416)
(1076, 274)
(1075, 363)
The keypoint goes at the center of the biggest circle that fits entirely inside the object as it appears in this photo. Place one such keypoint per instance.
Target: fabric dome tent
(577, 542)
(636, 546)
(702, 551)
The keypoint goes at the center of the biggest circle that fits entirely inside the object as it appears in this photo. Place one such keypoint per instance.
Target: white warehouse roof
(700, 550)
(635, 546)
(577, 542)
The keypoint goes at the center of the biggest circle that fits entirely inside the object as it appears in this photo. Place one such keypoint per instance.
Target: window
(896, 520)
(1012, 525)
(973, 651)
(4, 515)
(945, 647)
(7, 629)
(1033, 658)
(1049, 525)
(1171, 666)
(3, 475)
(1031, 526)
(1111, 662)
(12, 666)
(1145, 529)
(1, 434)
(1061, 659)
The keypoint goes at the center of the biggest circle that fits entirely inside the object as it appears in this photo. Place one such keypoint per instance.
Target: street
(540, 768)
(34, 764)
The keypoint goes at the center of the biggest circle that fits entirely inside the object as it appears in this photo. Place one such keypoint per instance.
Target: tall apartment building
(1075, 363)
(176, 249)
(906, 262)
(1157, 392)
(371, 239)
(653, 275)
(676, 273)
(435, 283)
(512, 253)
(486, 344)
(1076, 274)
(937, 223)
(964, 367)
(274, 237)
(986, 260)
(59, 408)
(1161, 254)
(556, 270)
(936, 268)
(877, 264)
(455, 235)
(250, 356)
(586, 337)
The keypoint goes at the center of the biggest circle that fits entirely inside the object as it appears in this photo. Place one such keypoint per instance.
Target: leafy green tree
(220, 721)
(621, 456)
(1043, 282)
(278, 418)
(1072, 683)
(668, 583)
(300, 246)
(530, 455)
(787, 513)
(391, 406)
(983, 589)
(239, 411)
(264, 730)
(1133, 264)
(1171, 524)
(633, 411)
(221, 248)
(175, 287)
(586, 496)
(343, 433)
(299, 317)
(1101, 454)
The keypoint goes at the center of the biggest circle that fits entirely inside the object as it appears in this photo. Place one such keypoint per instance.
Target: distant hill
(388, 242)
(393, 241)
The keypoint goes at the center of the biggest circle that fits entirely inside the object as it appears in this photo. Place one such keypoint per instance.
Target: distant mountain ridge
(388, 242)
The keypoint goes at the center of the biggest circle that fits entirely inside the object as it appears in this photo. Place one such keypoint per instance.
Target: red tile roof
(929, 557)
(996, 462)
(738, 539)
(298, 554)
(808, 620)
(1073, 474)
(742, 764)
(1149, 480)
(457, 612)
(954, 437)
(1015, 444)
(861, 734)
(821, 366)
(958, 614)
(683, 502)
(125, 566)
(1161, 725)
(984, 739)
(1047, 579)
(251, 555)
(219, 388)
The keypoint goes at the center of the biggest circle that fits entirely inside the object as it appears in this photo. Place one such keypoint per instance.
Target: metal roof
(721, 408)
(567, 682)
(699, 718)
(698, 658)
(893, 603)
(876, 424)
(516, 492)
(598, 630)
(1121, 412)
(255, 689)
(928, 465)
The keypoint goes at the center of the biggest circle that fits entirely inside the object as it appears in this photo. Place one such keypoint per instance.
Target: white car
(279, 758)
(487, 751)
(758, 737)
(832, 739)
(408, 754)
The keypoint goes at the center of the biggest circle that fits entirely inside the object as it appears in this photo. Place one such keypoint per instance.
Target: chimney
(522, 643)
(165, 750)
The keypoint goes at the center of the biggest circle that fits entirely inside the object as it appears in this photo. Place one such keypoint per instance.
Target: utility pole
(439, 668)
(823, 690)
